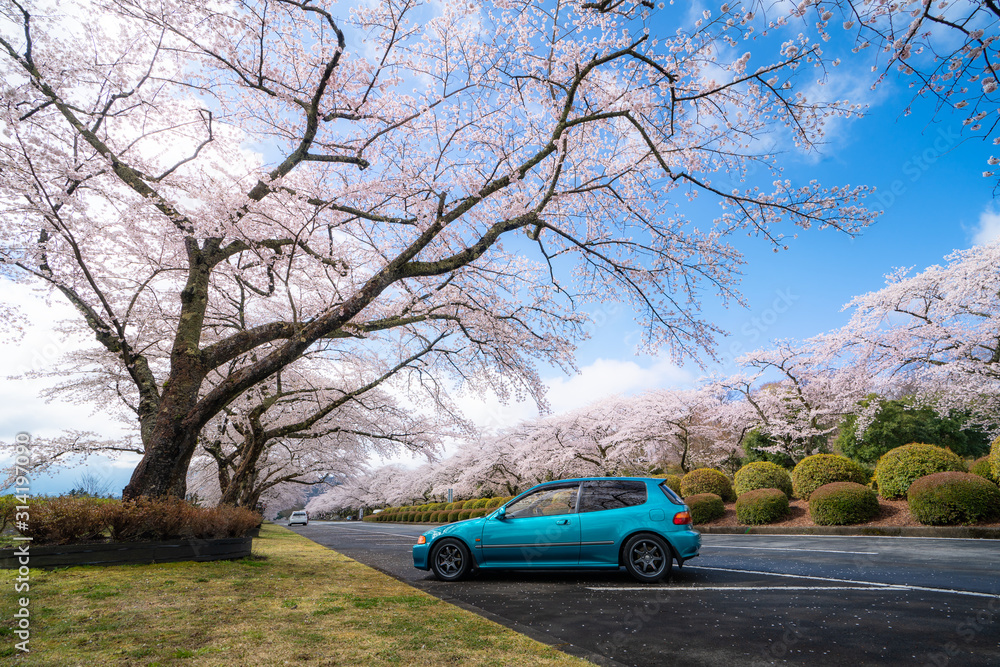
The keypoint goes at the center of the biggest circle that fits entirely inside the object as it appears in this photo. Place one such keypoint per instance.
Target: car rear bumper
(687, 544)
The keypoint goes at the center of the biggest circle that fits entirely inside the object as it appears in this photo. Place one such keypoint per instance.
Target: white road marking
(822, 551)
(378, 532)
(880, 585)
(746, 588)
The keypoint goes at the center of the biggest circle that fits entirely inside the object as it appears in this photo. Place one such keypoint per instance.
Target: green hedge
(762, 475)
(814, 471)
(982, 467)
(761, 506)
(948, 498)
(707, 480)
(900, 467)
(705, 507)
(842, 504)
(995, 458)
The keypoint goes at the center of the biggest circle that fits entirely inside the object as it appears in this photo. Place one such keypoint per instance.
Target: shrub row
(842, 504)
(945, 498)
(761, 506)
(898, 468)
(70, 519)
(995, 459)
(439, 512)
(707, 480)
(705, 507)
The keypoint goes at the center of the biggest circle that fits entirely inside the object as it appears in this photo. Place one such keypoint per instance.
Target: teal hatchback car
(599, 522)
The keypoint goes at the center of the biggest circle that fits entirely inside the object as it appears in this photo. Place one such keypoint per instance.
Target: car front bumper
(420, 553)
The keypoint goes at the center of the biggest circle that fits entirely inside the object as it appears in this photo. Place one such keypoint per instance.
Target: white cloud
(600, 379)
(607, 377)
(989, 228)
(40, 347)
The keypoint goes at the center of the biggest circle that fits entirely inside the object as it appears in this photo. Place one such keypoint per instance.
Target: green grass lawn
(292, 602)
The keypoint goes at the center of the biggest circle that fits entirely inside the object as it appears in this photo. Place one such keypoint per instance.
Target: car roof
(605, 479)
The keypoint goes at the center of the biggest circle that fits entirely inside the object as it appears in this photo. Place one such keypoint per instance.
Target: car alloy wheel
(648, 558)
(451, 560)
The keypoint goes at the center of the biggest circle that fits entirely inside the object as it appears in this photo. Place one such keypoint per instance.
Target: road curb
(954, 532)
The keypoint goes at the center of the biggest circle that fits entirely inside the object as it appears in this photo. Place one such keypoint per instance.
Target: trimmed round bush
(453, 515)
(900, 467)
(673, 482)
(464, 514)
(761, 506)
(425, 516)
(948, 498)
(707, 480)
(435, 516)
(981, 467)
(494, 502)
(814, 471)
(843, 503)
(705, 507)
(482, 511)
(995, 458)
(762, 475)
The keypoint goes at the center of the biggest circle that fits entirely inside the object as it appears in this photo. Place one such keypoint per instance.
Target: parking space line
(822, 551)
(907, 587)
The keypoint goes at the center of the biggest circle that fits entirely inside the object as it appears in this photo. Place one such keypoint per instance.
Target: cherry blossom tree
(937, 332)
(347, 171)
(677, 427)
(946, 49)
(298, 429)
(795, 393)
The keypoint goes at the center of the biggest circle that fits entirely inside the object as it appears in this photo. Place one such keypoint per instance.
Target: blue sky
(928, 180)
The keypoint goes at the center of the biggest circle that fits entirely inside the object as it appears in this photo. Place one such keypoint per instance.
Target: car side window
(611, 494)
(545, 502)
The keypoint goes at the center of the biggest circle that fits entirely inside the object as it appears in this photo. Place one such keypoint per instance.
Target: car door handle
(562, 522)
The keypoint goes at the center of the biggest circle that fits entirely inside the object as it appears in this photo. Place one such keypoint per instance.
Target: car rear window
(612, 494)
(670, 493)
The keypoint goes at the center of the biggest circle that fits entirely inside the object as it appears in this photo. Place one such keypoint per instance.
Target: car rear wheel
(450, 560)
(648, 558)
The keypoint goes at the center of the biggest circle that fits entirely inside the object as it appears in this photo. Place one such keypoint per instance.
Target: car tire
(648, 558)
(451, 560)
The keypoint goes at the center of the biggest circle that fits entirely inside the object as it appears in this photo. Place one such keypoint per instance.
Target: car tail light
(682, 519)
(421, 540)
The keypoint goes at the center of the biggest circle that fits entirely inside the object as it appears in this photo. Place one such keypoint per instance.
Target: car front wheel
(450, 560)
(648, 558)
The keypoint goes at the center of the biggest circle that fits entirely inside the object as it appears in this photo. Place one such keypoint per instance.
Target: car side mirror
(501, 513)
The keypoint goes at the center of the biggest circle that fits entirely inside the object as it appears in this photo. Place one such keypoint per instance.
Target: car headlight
(421, 540)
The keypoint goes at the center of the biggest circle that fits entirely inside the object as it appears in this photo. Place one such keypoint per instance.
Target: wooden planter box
(120, 553)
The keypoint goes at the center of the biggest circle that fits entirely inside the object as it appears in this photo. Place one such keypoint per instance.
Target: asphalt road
(747, 600)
